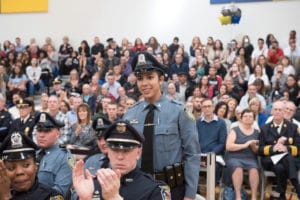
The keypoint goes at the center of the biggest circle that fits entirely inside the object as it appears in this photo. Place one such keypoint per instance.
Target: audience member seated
(214, 80)
(34, 73)
(251, 93)
(260, 116)
(83, 135)
(274, 54)
(73, 85)
(222, 91)
(178, 65)
(17, 81)
(84, 53)
(232, 105)
(287, 67)
(259, 74)
(221, 111)
(280, 137)
(217, 51)
(212, 132)
(111, 60)
(241, 149)
(112, 85)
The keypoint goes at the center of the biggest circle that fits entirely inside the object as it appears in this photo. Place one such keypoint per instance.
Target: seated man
(212, 132)
(281, 137)
(125, 179)
(54, 170)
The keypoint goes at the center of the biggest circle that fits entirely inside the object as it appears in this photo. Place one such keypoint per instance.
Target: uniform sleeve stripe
(267, 150)
(294, 150)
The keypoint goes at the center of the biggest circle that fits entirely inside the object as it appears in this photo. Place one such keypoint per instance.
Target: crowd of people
(226, 99)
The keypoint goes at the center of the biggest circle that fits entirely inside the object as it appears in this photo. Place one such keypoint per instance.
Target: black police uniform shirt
(25, 127)
(5, 124)
(39, 192)
(138, 185)
(269, 137)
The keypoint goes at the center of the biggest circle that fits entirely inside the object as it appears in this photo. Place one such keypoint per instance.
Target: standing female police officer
(18, 171)
(173, 135)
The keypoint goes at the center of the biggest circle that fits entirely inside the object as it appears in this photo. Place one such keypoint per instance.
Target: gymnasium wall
(84, 19)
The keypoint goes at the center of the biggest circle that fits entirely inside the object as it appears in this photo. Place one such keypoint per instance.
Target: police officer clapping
(124, 179)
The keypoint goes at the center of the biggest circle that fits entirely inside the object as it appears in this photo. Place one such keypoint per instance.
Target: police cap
(23, 103)
(57, 81)
(45, 122)
(100, 124)
(121, 135)
(17, 146)
(144, 62)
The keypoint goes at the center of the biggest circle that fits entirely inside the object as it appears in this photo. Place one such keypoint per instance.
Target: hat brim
(20, 155)
(122, 145)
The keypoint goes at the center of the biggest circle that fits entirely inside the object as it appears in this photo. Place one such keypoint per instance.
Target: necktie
(40, 155)
(147, 154)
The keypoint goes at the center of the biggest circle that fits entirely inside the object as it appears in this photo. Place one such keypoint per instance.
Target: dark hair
(67, 104)
(219, 105)
(260, 39)
(248, 111)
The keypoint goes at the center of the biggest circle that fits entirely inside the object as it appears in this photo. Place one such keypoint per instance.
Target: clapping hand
(84, 186)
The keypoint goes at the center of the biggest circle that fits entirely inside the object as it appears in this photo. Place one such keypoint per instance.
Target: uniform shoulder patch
(165, 192)
(71, 161)
(57, 197)
(187, 112)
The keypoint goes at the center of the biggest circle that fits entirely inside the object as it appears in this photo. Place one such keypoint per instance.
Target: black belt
(172, 175)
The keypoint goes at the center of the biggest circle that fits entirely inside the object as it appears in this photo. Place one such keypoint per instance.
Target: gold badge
(16, 140)
(26, 131)
(121, 127)
(272, 125)
(284, 125)
(42, 118)
(291, 140)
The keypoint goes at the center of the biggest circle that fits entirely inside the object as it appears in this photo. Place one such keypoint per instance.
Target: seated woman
(17, 81)
(259, 74)
(73, 85)
(221, 110)
(34, 73)
(255, 106)
(83, 134)
(242, 146)
(18, 171)
(222, 91)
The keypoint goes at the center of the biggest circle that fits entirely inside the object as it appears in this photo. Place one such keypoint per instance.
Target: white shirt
(33, 73)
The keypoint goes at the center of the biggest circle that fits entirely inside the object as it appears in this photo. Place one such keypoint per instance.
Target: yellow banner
(20, 6)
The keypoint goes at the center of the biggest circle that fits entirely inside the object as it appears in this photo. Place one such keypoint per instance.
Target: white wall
(83, 19)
